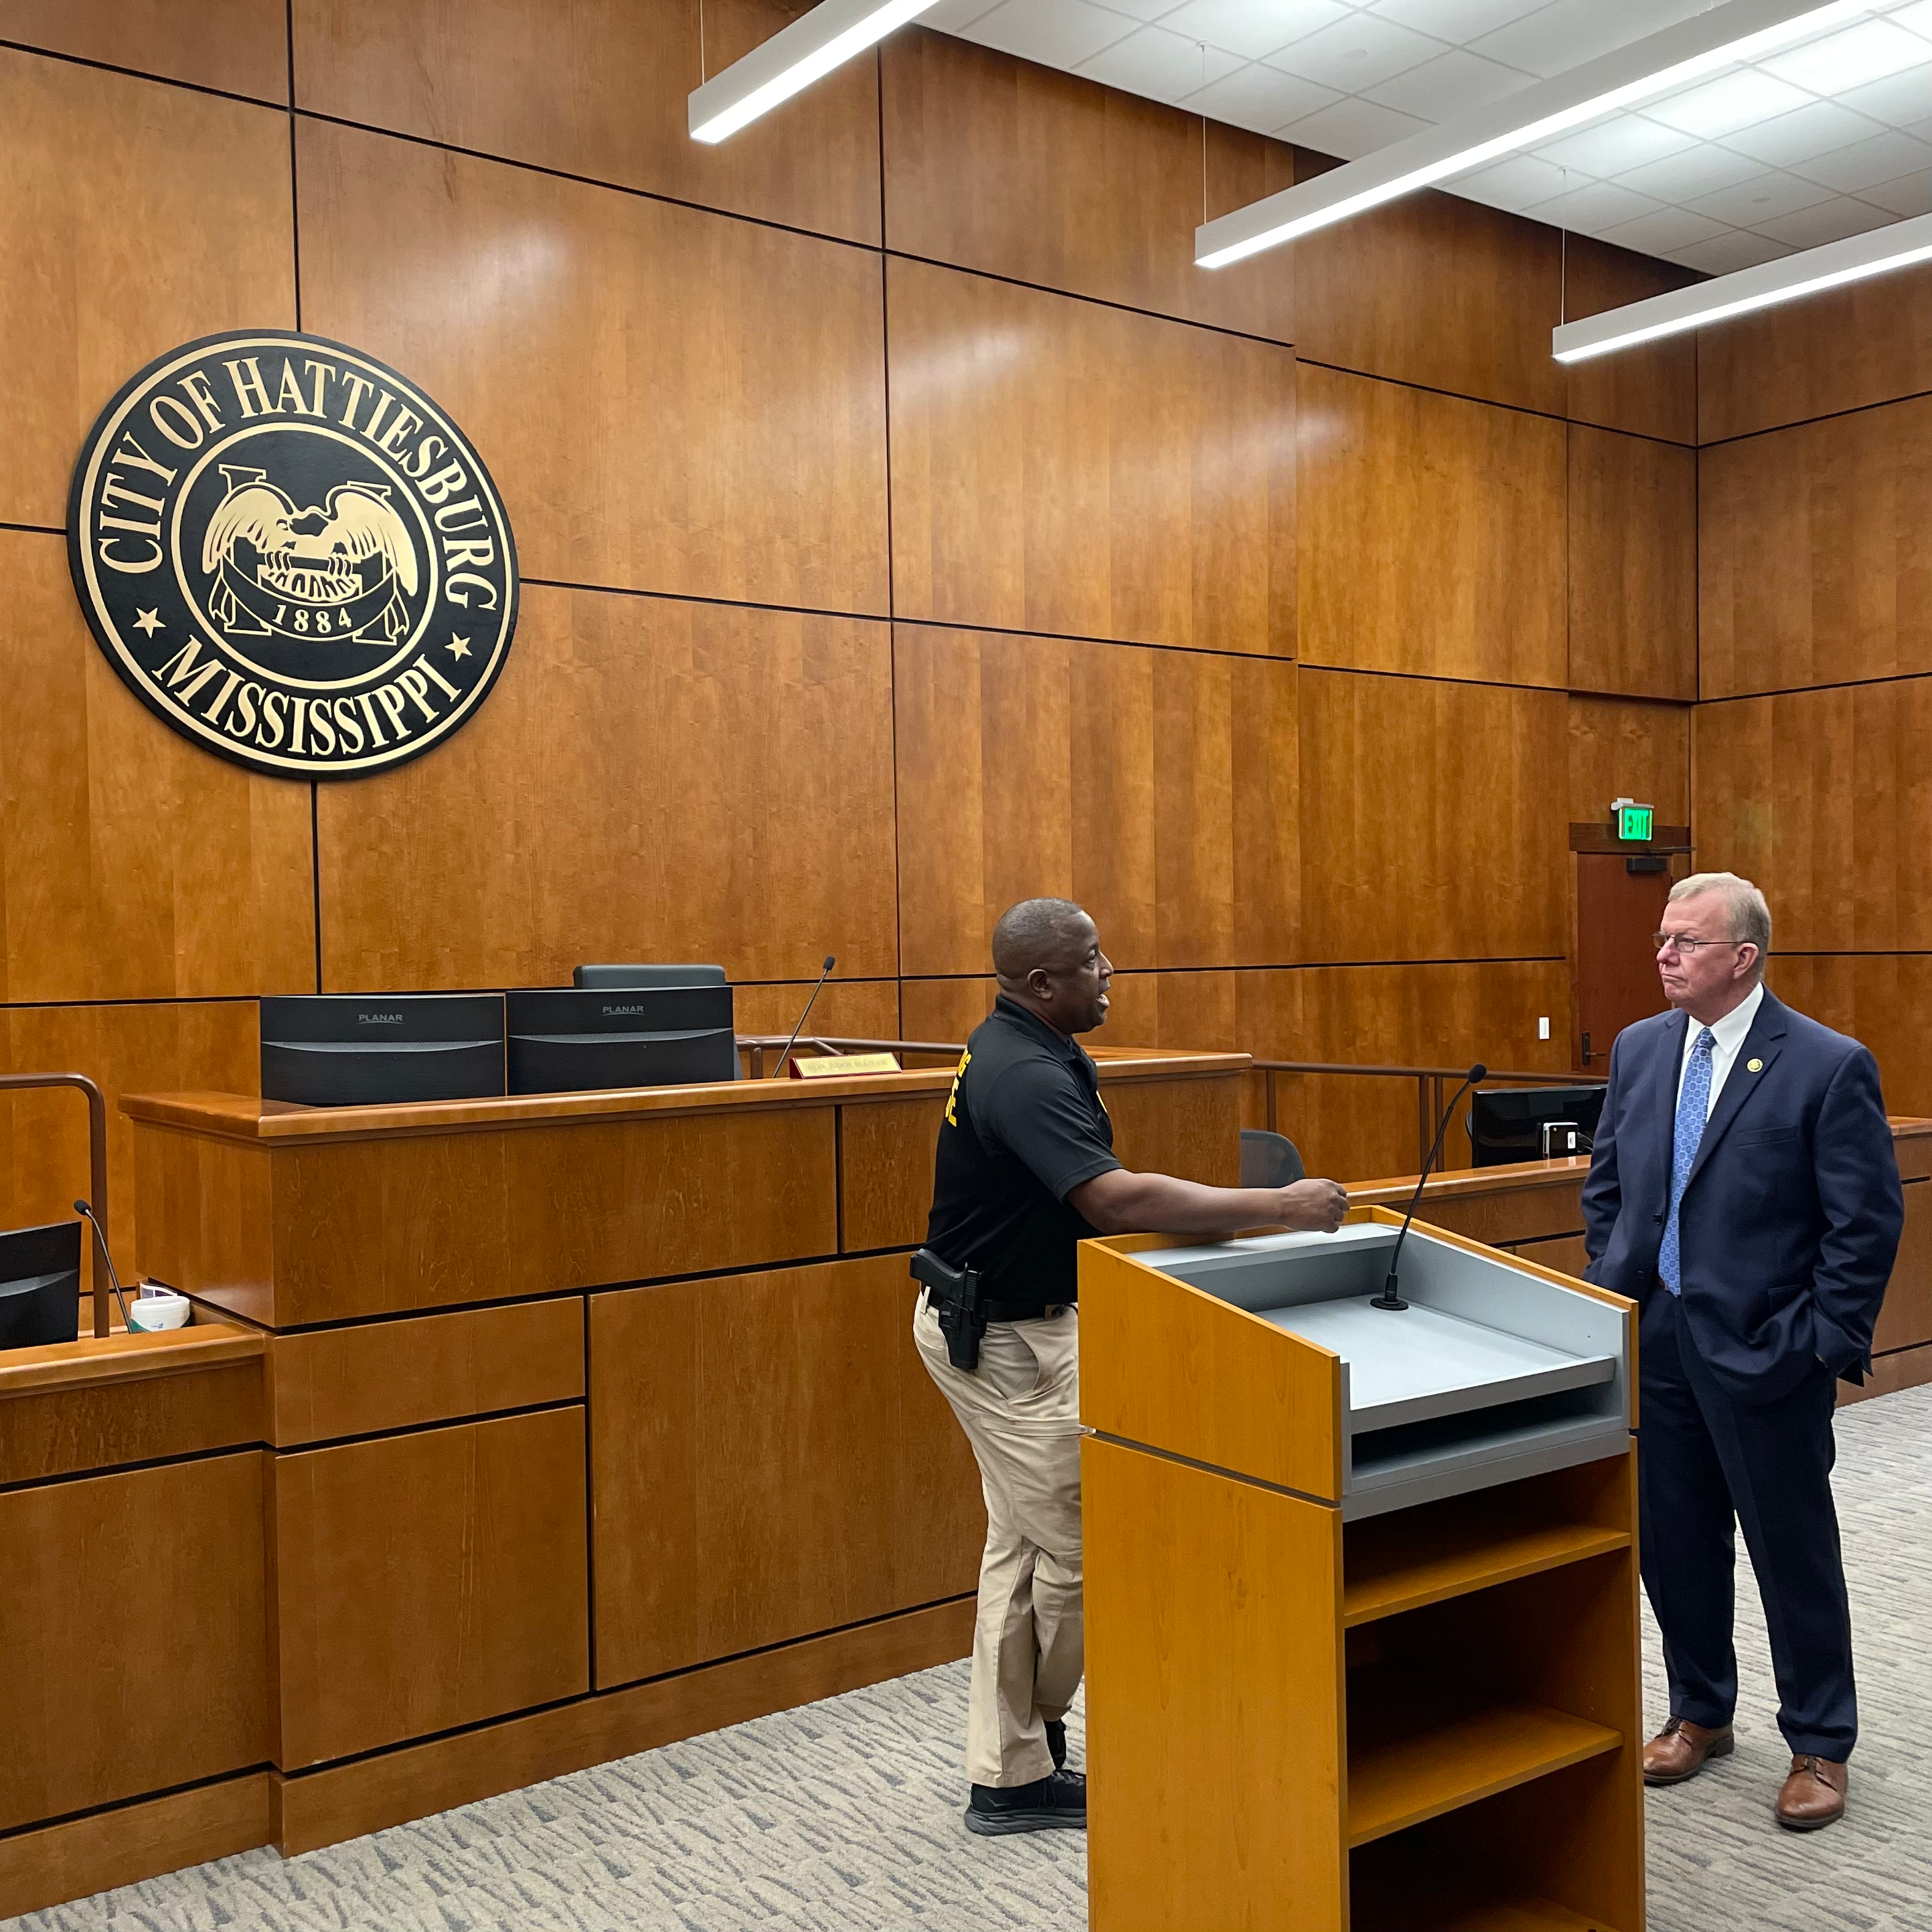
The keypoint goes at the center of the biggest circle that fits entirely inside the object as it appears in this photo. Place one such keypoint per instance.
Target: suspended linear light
(1739, 31)
(1854, 260)
(792, 59)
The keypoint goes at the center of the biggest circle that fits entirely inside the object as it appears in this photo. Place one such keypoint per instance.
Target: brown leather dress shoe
(1812, 1796)
(1680, 1749)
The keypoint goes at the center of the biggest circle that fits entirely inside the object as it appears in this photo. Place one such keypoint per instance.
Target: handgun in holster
(954, 1294)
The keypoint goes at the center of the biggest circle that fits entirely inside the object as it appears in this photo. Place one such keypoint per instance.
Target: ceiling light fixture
(792, 59)
(1854, 260)
(1740, 30)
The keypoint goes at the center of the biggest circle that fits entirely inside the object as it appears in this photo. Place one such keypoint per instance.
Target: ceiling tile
(1803, 134)
(1898, 101)
(1261, 98)
(1829, 221)
(1458, 76)
(1762, 199)
(1847, 58)
(1162, 66)
(1918, 16)
(1520, 182)
(1729, 252)
(1616, 146)
(1699, 170)
(1351, 129)
(1909, 195)
(1252, 28)
(1557, 38)
(1458, 22)
(949, 16)
(1722, 106)
(1884, 158)
(1057, 35)
(1595, 206)
(1667, 229)
(1357, 53)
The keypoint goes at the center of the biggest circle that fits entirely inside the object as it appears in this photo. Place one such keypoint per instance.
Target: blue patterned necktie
(1693, 1104)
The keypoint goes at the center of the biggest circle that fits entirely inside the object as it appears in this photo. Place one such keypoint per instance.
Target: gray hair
(1750, 915)
(1035, 932)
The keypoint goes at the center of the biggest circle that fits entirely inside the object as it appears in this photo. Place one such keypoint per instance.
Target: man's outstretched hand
(1313, 1207)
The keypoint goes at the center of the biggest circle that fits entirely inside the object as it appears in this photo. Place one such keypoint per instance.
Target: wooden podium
(1361, 1588)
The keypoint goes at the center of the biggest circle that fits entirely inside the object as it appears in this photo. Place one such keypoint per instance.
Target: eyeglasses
(1685, 944)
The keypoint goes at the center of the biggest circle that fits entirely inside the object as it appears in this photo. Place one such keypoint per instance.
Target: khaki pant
(1020, 1410)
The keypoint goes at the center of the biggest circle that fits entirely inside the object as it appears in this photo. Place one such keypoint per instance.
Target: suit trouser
(1020, 1410)
(1704, 1458)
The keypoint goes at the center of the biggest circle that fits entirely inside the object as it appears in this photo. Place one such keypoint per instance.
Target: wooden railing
(755, 1046)
(1432, 1086)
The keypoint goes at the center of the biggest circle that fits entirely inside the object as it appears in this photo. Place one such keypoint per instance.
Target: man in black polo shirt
(1026, 1170)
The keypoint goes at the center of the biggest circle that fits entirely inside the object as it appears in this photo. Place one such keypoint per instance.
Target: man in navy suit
(1744, 1192)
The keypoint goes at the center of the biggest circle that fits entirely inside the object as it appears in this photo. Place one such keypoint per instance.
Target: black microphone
(81, 1208)
(831, 960)
(1388, 1298)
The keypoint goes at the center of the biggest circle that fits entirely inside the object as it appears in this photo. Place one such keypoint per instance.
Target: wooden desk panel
(120, 1416)
(208, 1226)
(428, 1581)
(885, 1172)
(378, 1226)
(1191, 1128)
(1905, 1321)
(89, 1722)
(768, 1459)
(393, 1375)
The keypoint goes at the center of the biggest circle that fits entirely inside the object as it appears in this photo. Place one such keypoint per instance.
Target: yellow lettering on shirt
(965, 1061)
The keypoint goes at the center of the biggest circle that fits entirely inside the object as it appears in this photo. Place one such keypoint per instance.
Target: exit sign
(1636, 824)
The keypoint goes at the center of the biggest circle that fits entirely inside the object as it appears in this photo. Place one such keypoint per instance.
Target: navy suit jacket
(1791, 1216)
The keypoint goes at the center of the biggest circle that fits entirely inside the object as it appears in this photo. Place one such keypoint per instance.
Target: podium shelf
(1419, 1565)
(1422, 1363)
(1408, 1775)
(1516, 1911)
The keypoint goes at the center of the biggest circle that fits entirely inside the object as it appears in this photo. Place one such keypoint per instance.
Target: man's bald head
(1048, 955)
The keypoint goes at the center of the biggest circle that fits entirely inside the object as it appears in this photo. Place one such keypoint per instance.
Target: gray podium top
(1490, 1375)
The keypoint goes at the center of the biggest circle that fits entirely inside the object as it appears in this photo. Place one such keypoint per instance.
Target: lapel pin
(1753, 1066)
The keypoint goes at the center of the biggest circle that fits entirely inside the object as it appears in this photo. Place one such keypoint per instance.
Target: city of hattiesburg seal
(292, 555)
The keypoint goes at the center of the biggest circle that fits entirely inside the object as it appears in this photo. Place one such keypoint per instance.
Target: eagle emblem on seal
(341, 570)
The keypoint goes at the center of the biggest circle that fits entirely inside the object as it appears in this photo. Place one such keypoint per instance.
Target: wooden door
(1618, 909)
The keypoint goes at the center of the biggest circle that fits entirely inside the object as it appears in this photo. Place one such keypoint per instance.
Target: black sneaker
(1055, 1803)
(1056, 1742)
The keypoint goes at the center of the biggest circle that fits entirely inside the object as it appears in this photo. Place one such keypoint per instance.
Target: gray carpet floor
(845, 1815)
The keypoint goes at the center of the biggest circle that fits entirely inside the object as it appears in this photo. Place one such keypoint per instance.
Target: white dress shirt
(1728, 1035)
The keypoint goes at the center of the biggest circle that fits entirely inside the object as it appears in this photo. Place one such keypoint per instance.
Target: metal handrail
(1430, 1083)
(754, 1046)
(97, 1163)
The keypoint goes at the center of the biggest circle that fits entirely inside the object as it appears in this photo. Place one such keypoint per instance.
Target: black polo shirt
(1024, 1126)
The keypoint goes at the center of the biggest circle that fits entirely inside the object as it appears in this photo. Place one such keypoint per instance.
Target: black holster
(954, 1294)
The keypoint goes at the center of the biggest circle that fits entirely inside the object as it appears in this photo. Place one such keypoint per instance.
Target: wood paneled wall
(908, 527)
(1813, 739)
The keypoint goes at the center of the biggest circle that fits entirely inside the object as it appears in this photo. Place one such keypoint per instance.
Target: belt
(1005, 1311)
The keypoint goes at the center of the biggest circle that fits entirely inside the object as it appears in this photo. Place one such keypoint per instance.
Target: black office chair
(629, 979)
(1270, 1159)
(634, 979)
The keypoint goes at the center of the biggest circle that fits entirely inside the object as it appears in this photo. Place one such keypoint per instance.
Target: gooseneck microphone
(86, 1213)
(831, 960)
(1389, 1298)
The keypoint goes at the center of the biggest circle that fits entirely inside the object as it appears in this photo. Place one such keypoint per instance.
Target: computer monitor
(565, 1040)
(629, 979)
(1506, 1123)
(374, 1049)
(40, 1286)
